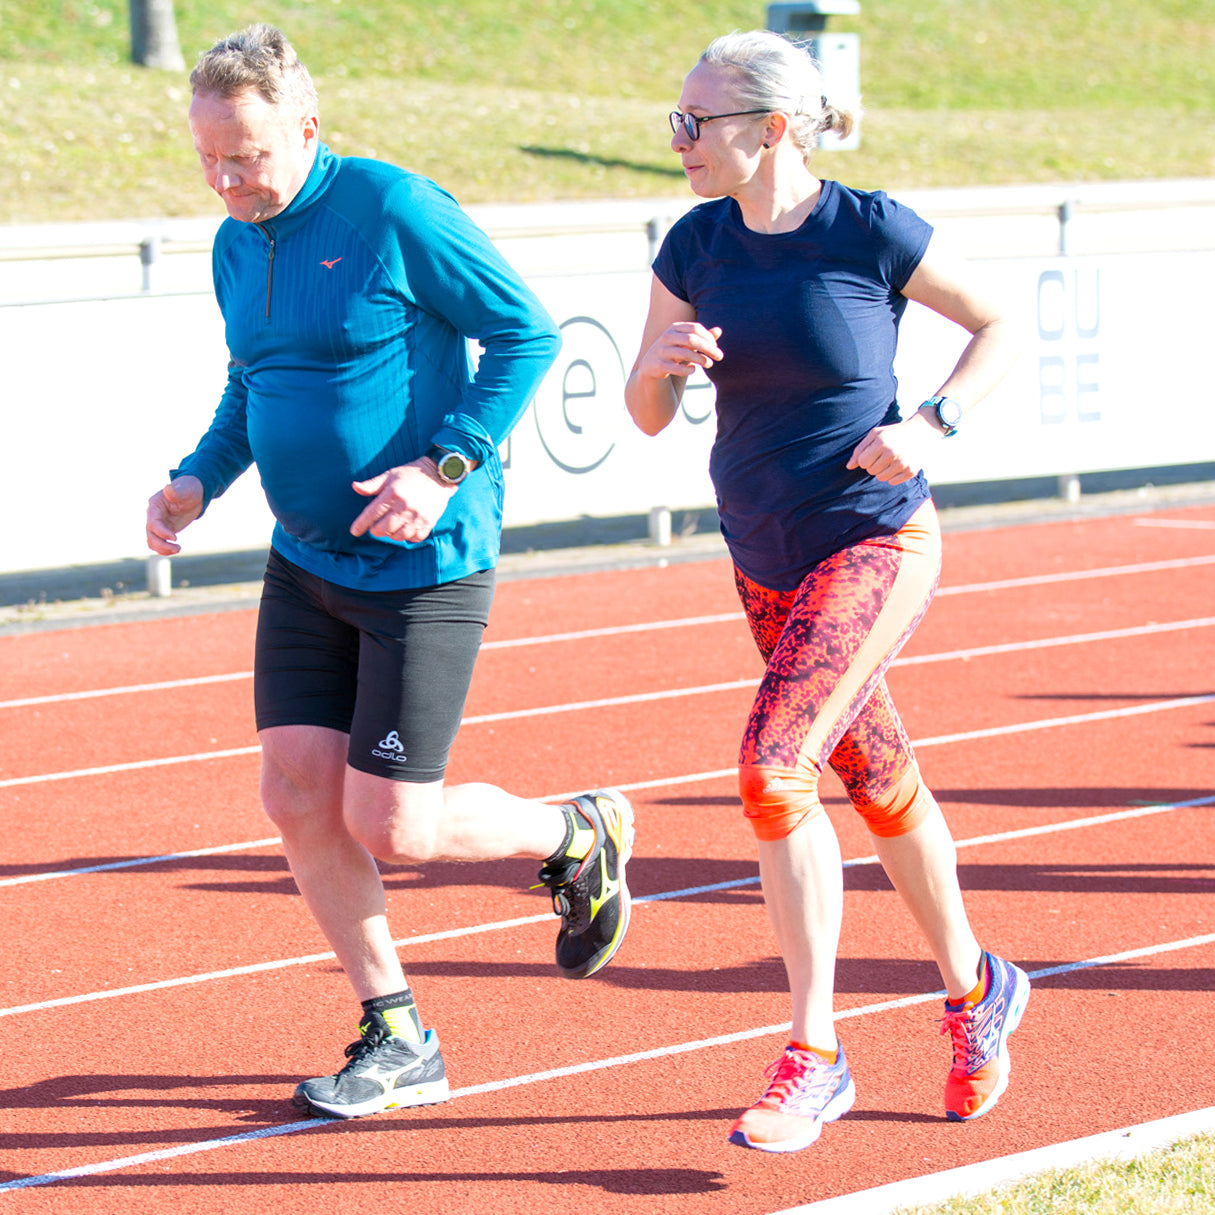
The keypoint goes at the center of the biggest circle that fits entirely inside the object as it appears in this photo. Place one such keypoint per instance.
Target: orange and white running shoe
(980, 1041)
(803, 1092)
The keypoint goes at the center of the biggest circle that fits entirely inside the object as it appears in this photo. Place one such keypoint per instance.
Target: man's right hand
(171, 509)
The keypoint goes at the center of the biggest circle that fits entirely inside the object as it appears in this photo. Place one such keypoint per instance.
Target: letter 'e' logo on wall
(580, 405)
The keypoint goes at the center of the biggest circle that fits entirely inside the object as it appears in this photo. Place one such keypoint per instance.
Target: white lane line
(1200, 525)
(610, 702)
(614, 630)
(641, 698)
(1045, 643)
(1011, 647)
(165, 685)
(1074, 719)
(450, 934)
(1109, 571)
(579, 1069)
(198, 681)
(655, 783)
(130, 863)
(1114, 571)
(133, 766)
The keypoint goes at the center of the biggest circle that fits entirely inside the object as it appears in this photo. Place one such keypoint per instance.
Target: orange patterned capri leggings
(823, 698)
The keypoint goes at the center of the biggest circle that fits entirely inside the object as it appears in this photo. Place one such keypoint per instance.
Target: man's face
(254, 155)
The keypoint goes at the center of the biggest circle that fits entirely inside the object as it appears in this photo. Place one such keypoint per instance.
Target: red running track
(164, 988)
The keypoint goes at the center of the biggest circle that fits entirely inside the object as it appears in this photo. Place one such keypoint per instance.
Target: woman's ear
(775, 128)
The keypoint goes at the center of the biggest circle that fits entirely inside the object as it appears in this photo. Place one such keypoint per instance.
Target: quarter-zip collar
(297, 211)
(320, 178)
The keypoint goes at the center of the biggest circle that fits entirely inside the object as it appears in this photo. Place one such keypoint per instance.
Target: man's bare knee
(303, 769)
(395, 821)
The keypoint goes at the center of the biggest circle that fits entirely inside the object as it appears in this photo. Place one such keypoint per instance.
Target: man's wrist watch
(451, 465)
(948, 413)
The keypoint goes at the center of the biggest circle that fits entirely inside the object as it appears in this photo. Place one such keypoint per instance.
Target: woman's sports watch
(948, 411)
(451, 465)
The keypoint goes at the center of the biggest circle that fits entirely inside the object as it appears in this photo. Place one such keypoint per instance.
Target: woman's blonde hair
(774, 73)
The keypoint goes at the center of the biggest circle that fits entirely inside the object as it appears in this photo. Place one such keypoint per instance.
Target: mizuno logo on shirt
(330, 265)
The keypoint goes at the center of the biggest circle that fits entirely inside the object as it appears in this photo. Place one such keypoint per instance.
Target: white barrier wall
(102, 397)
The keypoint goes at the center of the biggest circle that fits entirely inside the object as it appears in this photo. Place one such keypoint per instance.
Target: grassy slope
(506, 101)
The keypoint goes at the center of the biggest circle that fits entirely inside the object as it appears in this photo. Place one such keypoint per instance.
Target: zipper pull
(269, 270)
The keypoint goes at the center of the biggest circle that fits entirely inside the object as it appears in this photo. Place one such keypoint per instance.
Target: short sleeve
(670, 265)
(900, 239)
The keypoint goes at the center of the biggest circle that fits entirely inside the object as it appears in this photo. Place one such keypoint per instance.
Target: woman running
(788, 291)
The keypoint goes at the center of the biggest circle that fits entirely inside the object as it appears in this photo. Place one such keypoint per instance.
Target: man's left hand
(406, 502)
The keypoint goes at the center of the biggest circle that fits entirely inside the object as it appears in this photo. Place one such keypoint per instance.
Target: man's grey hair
(259, 58)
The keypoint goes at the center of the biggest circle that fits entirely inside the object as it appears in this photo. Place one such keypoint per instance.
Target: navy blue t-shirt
(809, 323)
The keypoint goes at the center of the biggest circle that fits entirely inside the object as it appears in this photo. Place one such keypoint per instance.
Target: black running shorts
(389, 668)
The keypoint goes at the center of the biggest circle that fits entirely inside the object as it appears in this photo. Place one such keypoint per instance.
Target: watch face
(452, 467)
(949, 411)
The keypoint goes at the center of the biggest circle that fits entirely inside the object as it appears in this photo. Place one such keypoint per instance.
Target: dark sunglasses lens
(691, 127)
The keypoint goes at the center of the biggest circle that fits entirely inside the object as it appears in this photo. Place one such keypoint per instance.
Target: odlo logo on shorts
(390, 748)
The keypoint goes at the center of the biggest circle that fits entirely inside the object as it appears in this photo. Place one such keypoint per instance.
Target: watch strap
(948, 413)
(451, 466)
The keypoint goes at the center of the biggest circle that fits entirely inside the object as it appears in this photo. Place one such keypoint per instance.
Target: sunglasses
(691, 124)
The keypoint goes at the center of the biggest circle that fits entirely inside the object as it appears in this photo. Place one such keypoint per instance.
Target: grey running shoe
(385, 1072)
(591, 895)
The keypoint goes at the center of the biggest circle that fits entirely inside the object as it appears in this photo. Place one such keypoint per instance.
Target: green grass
(502, 100)
(1179, 1180)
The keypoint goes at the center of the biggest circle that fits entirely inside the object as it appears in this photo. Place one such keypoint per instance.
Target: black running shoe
(385, 1072)
(590, 895)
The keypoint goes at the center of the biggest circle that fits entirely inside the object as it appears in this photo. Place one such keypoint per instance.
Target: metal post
(1066, 209)
(149, 251)
(160, 576)
(660, 526)
(838, 55)
(655, 232)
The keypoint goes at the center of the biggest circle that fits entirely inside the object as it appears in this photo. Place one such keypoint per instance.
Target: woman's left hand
(895, 453)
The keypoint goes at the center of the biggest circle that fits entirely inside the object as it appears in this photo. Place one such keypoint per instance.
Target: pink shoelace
(788, 1075)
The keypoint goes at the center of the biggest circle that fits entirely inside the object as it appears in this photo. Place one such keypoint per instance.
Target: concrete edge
(1127, 1143)
(588, 558)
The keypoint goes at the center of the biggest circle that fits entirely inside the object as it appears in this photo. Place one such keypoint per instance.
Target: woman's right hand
(679, 350)
(673, 345)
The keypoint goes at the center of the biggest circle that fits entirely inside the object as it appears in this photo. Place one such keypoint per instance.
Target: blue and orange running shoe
(803, 1092)
(980, 1041)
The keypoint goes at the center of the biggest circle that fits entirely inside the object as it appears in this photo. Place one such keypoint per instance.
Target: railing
(579, 228)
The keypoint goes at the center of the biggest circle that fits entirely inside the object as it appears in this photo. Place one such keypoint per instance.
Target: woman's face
(725, 156)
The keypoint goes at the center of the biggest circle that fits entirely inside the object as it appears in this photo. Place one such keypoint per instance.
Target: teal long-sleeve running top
(347, 318)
